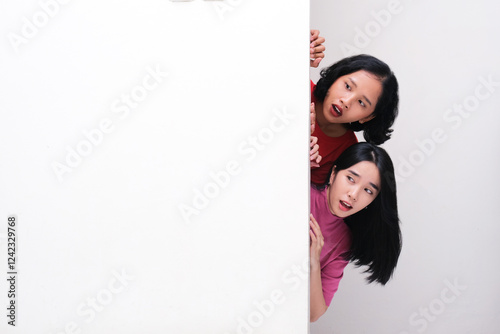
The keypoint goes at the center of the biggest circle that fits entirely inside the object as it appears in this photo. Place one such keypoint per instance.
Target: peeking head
(362, 190)
(360, 92)
(359, 177)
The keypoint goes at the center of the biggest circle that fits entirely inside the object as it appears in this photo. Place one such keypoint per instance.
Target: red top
(329, 148)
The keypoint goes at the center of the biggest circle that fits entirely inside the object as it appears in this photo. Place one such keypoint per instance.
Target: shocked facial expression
(352, 98)
(353, 189)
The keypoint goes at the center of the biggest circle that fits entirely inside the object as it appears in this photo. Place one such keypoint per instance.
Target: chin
(344, 214)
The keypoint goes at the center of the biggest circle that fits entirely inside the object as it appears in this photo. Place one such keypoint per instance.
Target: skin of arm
(317, 300)
(314, 156)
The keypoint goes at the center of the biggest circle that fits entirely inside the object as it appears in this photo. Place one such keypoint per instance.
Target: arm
(317, 48)
(317, 300)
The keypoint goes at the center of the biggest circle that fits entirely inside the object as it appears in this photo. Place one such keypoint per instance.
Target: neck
(328, 200)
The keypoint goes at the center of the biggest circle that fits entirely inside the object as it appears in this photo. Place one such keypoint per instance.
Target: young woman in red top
(358, 93)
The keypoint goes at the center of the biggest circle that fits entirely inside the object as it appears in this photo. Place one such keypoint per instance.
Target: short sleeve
(331, 275)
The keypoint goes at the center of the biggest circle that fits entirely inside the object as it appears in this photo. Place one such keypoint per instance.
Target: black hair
(377, 130)
(376, 235)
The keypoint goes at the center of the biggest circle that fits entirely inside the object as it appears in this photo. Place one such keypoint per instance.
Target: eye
(369, 191)
(350, 178)
(347, 86)
(361, 103)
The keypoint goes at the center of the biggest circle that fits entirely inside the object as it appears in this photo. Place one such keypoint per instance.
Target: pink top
(337, 243)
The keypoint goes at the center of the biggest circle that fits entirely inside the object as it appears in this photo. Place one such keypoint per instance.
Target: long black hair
(376, 235)
(377, 130)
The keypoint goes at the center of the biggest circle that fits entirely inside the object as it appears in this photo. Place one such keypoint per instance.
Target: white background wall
(448, 191)
(103, 246)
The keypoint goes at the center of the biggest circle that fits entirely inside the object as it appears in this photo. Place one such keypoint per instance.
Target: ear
(332, 176)
(366, 119)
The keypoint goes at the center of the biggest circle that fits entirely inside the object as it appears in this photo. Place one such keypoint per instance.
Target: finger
(313, 164)
(314, 145)
(318, 159)
(318, 55)
(314, 34)
(312, 223)
(315, 62)
(318, 41)
(313, 237)
(312, 116)
(315, 227)
(317, 241)
(313, 153)
(319, 48)
(314, 56)
(316, 46)
(317, 52)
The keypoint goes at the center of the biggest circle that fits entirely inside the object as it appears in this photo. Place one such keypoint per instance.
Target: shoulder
(339, 235)
(317, 198)
(313, 87)
(339, 144)
(350, 138)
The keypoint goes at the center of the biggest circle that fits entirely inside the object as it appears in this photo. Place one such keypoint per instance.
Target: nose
(346, 101)
(353, 194)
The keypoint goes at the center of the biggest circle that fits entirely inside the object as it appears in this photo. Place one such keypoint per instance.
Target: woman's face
(353, 189)
(352, 98)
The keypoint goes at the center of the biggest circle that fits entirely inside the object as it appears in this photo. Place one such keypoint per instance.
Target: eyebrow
(355, 85)
(357, 175)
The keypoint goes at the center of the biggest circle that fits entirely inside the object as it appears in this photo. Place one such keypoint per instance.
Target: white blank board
(155, 158)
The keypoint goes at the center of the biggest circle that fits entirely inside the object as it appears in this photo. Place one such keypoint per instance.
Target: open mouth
(344, 206)
(336, 110)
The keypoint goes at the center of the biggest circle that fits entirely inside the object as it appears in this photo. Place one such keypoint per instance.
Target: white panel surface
(155, 156)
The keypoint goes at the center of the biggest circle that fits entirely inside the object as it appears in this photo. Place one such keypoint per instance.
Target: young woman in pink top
(354, 217)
